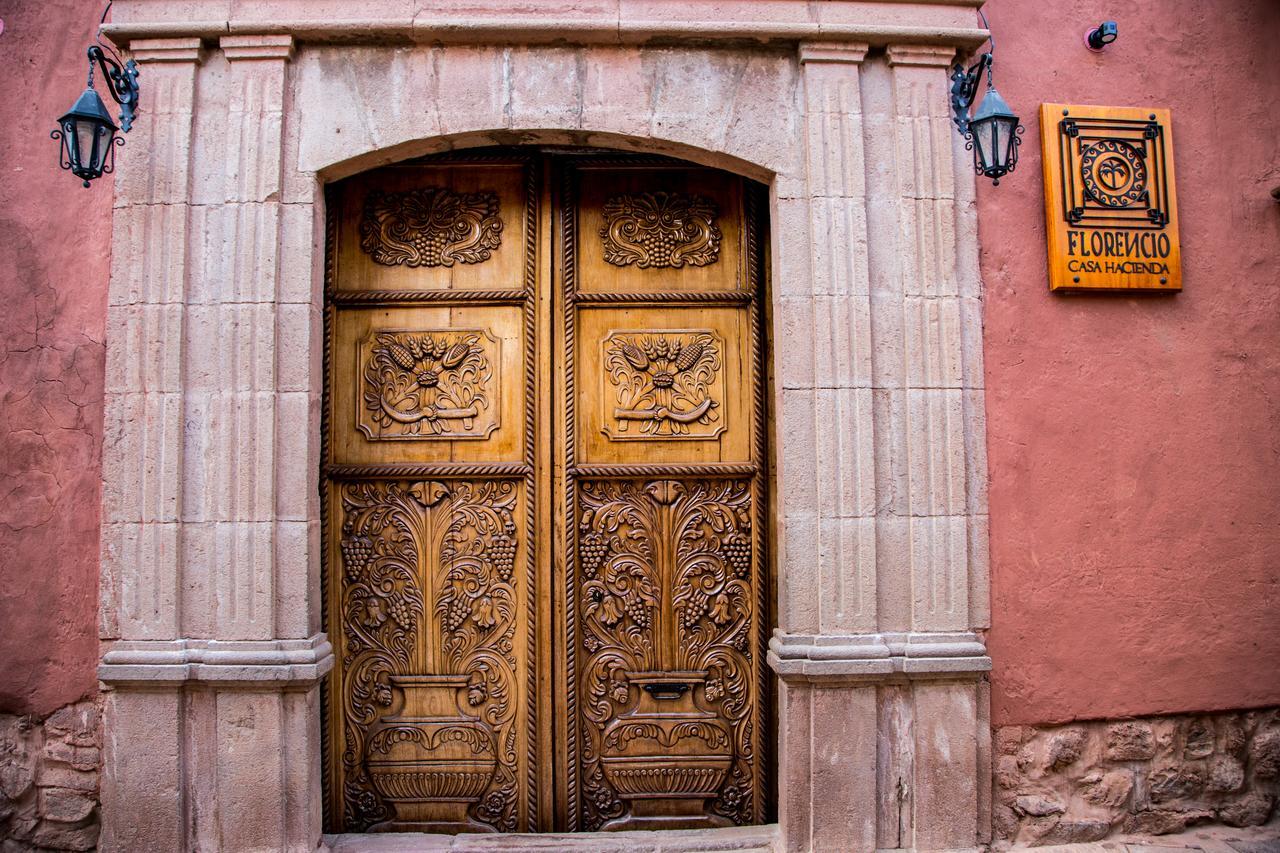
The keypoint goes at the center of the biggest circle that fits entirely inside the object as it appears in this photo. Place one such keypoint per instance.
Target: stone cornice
(844, 659)
(228, 663)
(942, 22)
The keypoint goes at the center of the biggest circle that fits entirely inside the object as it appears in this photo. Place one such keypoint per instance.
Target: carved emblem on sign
(428, 384)
(1114, 173)
(1109, 198)
(660, 230)
(429, 615)
(663, 383)
(665, 594)
(430, 227)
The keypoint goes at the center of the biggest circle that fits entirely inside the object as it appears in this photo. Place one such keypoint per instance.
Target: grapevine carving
(664, 381)
(665, 592)
(430, 227)
(428, 597)
(428, 384)
(660, 230)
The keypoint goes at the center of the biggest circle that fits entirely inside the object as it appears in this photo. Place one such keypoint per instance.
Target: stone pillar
(825, 435)
(883, 557)
(211, 551)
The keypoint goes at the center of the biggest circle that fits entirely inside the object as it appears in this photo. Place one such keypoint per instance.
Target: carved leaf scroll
(430, 227)
(664, 585)
(429, 606)
(660, 230)
(664, 381)
(428, 384)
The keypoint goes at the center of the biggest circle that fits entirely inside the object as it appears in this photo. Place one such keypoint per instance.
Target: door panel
(433, 588)
(544, 497)
(664, 605)
(669, 384)
(429, 384)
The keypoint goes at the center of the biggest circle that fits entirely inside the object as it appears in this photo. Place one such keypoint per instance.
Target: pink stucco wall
(54, 262)
(1134, 443)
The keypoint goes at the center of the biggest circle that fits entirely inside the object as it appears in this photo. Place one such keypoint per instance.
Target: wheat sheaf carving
(427, 384)
(430, 227)
(664, 382)
(660, 230)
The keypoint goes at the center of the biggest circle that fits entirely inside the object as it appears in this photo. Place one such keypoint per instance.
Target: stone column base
(212, 744)
(883, 741)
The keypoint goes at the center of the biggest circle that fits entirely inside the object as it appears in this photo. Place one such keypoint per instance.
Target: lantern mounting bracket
(122, 83)
(964, 89)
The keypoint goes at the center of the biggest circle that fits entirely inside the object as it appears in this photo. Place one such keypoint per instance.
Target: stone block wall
(1149, 775)
(49, 780)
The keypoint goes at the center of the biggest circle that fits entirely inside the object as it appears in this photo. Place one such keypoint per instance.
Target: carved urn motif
(428, 759)
(667, 755)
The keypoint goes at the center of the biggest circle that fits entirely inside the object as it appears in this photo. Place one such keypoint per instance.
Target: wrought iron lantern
(993, 133)
(86, 133)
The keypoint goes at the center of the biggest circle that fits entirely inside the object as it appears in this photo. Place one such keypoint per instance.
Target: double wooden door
(545, 491)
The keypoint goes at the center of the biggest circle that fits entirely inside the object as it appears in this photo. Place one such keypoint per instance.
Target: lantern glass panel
(1009, 153)
(85, 134)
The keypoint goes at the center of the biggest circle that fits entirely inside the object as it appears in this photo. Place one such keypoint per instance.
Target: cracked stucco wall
(54, 266)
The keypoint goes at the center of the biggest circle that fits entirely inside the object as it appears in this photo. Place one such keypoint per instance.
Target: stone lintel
(920, 54)
(886, 657)
(533, 30)
(832, 51)
(257, 47)
(226, 663)
(184, 49)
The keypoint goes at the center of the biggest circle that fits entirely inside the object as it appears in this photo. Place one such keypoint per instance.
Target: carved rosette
(429, 672)
(660, 230)
(428, 384)
(1114, 173)
(665, 595)
(663, 381)
(430, 227)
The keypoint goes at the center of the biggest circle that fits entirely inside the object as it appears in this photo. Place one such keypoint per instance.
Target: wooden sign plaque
(1110, 206)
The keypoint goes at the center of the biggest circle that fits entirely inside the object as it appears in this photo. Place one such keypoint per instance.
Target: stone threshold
(739, 839)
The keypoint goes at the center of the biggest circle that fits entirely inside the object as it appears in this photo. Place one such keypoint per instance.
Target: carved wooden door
(544, 490)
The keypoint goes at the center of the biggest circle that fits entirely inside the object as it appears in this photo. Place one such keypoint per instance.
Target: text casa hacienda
(1118, 252)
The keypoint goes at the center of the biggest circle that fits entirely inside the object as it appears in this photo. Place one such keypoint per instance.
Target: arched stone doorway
(211, 602)
(547, 577)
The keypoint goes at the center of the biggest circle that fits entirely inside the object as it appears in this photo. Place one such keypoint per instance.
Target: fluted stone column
(212, 648)
(882, 449)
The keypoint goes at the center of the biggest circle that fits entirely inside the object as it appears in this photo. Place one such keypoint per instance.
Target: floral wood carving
(665, 381)
(428, 384)
(430, 693)
(430, 227)
(664, 583)
(660, 230)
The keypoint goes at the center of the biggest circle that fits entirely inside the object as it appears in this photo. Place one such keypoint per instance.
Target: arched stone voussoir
(358, 109)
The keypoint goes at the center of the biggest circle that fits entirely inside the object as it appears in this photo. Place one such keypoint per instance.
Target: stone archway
(210, 603)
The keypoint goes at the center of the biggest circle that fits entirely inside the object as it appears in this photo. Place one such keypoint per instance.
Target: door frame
(209, 582)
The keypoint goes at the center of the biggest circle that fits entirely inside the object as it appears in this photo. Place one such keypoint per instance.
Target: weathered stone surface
(1225, 774)
(1065, 747)
(1250, 810)
(1152, 776)
(1264, 752)
(1173, 783)
(1077, 831)
(62, 837)
(66, 805)
(1110, 789)
(1009, 739)
(1039, 805)
(1199, 740)
(1130, 742)
(1155, 822)
(49, 780)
